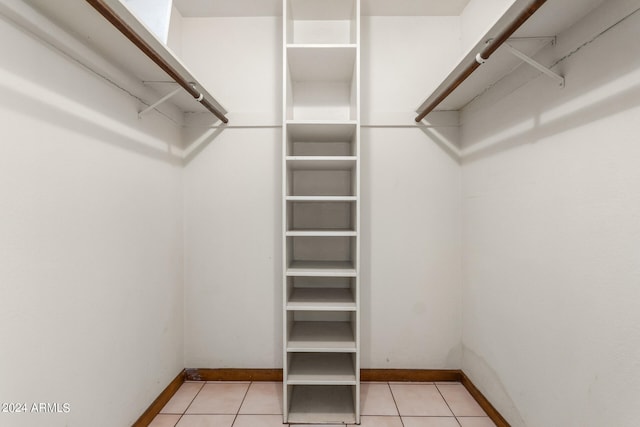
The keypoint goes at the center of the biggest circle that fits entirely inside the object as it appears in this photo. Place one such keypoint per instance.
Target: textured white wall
(411, 200)
(91, 310)
(552, 236)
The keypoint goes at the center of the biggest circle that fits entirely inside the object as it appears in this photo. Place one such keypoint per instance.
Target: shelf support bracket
(535, 64)
(158, 102)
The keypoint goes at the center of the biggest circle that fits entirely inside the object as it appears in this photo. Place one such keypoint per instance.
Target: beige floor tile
(258, 421)
(476, 422)
(430, 422)
(376, 399)
(420, 400)
(379, 421)
(460, 401)
(206, 421)
(411, 382)
(182, 398)
(165, 420)
(218, 399)
(263, 398)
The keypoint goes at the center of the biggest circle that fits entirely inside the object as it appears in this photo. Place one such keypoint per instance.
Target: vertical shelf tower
(321, 211)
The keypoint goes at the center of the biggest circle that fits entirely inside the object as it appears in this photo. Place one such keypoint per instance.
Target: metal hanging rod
(108, 13)
(482, 56)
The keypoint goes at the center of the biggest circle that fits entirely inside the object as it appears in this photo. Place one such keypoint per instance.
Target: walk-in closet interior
(324, 201)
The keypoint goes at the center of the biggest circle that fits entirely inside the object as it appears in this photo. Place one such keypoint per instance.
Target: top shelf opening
(325, 10)
(322, 22)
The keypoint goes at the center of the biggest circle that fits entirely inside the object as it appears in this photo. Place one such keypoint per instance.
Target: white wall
(552, 236)
(91, 310)
(411, 202)
(403, 59)
(240, 61)
(232, 198)
(411, 282)
(411, 273)
(477, 17)
(174, 37)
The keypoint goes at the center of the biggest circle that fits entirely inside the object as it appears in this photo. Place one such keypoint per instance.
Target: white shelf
(321, 130)
(321, 62)
(321, 198)
(321, 216)
(321, 405)
(321, 337)
(321, 269)
(321, 299)
(321, 233)
(321, 162)
(82, 22)
(321, 369)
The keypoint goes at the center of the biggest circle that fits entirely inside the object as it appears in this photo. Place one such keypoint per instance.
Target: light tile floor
(259, 404)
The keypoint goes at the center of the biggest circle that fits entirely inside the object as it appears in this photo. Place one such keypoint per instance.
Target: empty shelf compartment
(322, 100)
(322, 62)
(322, 404)
(315, 138)
(321, 216)
(321, 369)
(321, 336)
(321, 299)
(332, 248)
(327, 21)
(321, 182)
(322, 268)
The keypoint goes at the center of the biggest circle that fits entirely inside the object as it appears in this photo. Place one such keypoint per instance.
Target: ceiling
(203, 8)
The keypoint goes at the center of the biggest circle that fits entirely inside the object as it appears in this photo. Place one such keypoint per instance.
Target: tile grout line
(185, 409)
(240, 407)
(447, 403)
(177, 422)
(395, 403)
(194, 398)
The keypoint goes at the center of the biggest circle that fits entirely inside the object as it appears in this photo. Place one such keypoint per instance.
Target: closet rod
(481, 57)
(122, 26)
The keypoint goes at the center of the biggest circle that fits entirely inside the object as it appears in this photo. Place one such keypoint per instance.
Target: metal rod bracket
(535, 64)
(158, 102)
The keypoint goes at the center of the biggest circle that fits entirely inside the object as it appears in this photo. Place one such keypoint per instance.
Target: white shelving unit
(321, 211)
